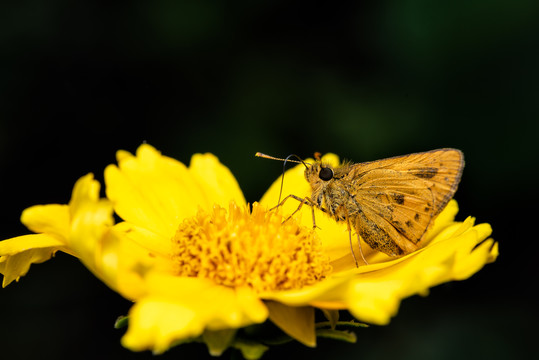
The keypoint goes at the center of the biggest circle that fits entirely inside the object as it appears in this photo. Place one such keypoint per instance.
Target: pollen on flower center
(253, 248)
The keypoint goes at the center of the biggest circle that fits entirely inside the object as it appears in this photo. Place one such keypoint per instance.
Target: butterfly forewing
(400, 196)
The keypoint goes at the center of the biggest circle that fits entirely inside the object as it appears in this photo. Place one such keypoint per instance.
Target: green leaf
(250, 350)
(121, 321)
(345, 336)
(351, 324)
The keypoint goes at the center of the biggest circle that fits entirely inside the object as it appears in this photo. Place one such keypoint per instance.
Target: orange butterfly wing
(400, 196)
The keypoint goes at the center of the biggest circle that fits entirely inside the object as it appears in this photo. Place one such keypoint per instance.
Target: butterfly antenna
(285, 160)
(284, 169)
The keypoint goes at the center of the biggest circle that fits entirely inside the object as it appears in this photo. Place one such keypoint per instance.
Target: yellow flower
(199, 262)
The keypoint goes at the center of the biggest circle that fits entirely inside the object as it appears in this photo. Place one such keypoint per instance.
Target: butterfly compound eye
(325, 174)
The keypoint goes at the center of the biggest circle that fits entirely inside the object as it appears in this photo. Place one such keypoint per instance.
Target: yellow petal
(298, 322)
(152, 191)
(218, 184)
(144, 196)
(17, 254)
(49, 219)
(91, 218)
(86, 190)
(155, 324)
(154, 243)
(374, 302)
(179, 307)
(28, 242)
(122, 265)
(464, 269)
(236, 306)
(327, 291)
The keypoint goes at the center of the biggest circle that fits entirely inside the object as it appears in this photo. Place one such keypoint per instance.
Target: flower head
(197, 260)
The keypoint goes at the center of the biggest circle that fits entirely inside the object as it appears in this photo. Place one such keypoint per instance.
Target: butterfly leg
(352, 245)
(302, 201)
(350, 239)
(361, 250)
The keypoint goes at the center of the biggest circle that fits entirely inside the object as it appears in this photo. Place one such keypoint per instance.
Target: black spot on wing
(376, 237)
(398, 198)
(425, 173)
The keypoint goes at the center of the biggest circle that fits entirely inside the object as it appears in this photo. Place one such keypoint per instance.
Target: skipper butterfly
(389, 203)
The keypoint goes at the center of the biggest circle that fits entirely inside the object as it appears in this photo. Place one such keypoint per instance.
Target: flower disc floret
(253, 248)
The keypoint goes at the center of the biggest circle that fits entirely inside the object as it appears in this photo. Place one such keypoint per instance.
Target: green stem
(351, 324)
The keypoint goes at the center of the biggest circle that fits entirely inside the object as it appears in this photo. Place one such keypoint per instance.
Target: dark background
(82, 79)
